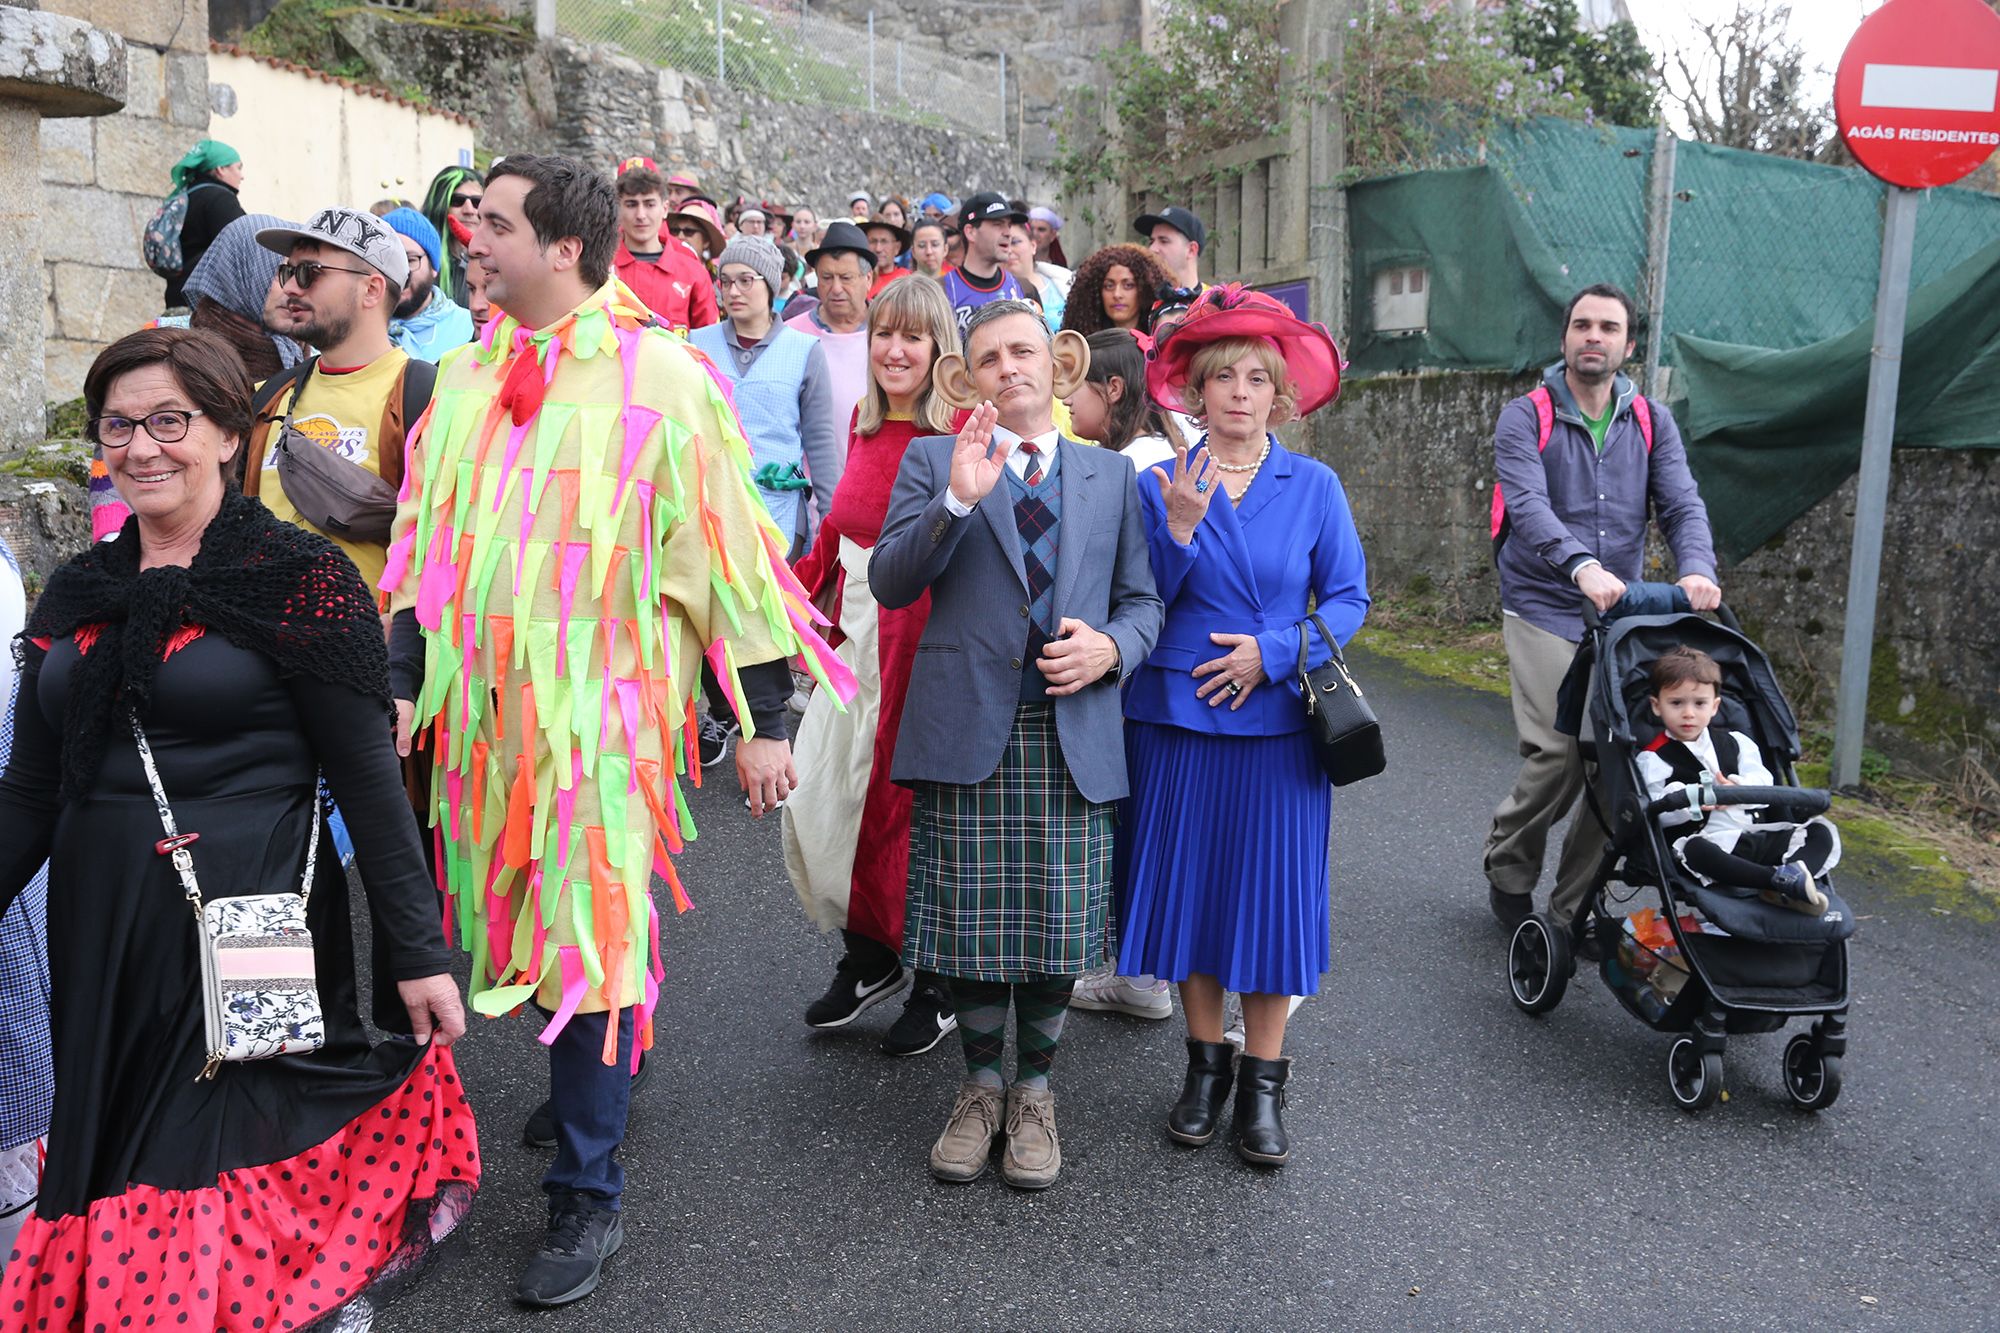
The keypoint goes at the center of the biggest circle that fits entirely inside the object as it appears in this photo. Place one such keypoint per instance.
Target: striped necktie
(1033, 476)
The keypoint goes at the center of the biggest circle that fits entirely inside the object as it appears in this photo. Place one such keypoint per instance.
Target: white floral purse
(259, 987)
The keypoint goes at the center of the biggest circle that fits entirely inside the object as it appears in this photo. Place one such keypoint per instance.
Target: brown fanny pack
(338, 496)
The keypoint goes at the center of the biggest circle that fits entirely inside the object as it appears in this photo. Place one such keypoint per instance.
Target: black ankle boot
(1260, 1102)
(1211, 1069)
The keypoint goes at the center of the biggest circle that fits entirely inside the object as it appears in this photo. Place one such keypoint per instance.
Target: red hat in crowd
(638, 164)
(1235, 311)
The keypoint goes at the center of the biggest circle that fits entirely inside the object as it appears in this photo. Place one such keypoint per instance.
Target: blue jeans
(589, 1100)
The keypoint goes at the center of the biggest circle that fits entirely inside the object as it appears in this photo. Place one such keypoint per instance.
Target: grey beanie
(758, 254)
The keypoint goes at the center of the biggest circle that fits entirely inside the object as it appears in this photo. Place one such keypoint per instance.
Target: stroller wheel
(1812, 1077)
(1538, 964)
(1695, 1079)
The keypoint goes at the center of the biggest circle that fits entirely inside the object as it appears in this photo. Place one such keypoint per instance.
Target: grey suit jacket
(966, 681)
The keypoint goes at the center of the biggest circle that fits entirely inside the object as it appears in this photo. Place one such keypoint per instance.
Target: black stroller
(1707, 963)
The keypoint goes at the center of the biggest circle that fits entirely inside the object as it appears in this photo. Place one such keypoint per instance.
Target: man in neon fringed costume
(578, 528)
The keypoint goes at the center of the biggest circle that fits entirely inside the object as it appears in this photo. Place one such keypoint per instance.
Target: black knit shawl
(265, 585)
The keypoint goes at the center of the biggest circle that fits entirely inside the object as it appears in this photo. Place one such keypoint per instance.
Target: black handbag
(1345, 735)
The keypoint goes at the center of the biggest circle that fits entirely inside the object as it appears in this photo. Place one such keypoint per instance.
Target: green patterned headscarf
(206, 156)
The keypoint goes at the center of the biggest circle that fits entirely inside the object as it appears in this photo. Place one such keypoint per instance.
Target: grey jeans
(1549, 782)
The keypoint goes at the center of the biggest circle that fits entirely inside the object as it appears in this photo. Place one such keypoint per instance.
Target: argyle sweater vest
(1038, 521)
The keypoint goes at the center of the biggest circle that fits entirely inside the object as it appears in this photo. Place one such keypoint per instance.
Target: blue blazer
(1248, 570)
(965, 681)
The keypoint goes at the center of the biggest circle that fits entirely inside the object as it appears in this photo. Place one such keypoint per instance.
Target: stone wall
(595, 103)
(102, 179)
(1415, 454)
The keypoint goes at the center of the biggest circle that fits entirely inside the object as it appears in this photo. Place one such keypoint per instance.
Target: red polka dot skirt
(278, 1246)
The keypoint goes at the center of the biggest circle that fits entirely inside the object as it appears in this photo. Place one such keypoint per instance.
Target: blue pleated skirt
(1223, 854)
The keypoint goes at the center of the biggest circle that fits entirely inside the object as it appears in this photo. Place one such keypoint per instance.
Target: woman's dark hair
(936, 225)
(566, 198)
(1085, 312)
(205, 366)
(1115, 352)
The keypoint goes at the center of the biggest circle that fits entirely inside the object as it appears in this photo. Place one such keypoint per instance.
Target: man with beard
(343, 274)
(427, 323)
(1582, 462)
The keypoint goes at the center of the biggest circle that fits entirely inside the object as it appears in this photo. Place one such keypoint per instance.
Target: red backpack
(1545, 425)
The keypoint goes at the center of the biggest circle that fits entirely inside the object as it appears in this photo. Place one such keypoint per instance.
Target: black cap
(840, 235)
(986, 206)
(1182, 221)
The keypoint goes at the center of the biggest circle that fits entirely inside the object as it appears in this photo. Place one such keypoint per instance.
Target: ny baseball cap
(363, 235)
(986, 206)
(1182, 221)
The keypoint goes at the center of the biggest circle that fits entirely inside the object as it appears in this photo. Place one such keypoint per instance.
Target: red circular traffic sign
(1917, 93)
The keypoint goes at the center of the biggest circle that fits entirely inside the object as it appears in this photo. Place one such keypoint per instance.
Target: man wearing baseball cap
(985, 223)
(1176, 237)
(342, 275)
(426, 323)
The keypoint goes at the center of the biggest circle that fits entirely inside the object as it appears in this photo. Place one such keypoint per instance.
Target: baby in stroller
(1726, 846)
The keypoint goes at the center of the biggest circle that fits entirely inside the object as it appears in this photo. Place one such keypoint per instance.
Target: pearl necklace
(1246, 467)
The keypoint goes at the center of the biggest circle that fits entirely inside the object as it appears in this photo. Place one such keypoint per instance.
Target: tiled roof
(365, 89)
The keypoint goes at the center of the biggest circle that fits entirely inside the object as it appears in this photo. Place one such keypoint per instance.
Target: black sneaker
(540, 1131)
(582, 1235)
(852, 995)
(1510, 909)
(713, 735)
(925, 1021)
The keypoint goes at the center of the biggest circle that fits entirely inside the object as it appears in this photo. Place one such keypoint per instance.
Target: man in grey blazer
(1012, 734)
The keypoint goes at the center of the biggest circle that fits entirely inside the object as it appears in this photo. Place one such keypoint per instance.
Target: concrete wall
(364, 145)
(102, 178)
(1416, 456)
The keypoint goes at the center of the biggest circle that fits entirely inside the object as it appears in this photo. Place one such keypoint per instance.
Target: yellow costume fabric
(577, 525)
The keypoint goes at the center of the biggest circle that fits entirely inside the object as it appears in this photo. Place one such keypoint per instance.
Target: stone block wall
(1415, 454)
(103, 178)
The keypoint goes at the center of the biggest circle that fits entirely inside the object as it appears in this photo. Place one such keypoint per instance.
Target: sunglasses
(307, 273)
(168, 427)
(461, 200)
(690, 233)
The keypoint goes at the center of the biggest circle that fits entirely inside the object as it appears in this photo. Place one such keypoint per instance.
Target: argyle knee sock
(1039, 1010)
(982, 1027)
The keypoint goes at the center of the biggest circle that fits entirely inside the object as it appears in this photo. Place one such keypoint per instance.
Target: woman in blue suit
(1226, 888)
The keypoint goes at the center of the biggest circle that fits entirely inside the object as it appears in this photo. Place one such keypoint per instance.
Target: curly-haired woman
(1114, 289)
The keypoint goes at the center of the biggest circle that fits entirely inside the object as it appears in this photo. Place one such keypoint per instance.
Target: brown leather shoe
(962, 1151)
(1033, 1158)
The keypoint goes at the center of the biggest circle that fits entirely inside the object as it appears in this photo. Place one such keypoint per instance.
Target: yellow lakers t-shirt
(340, 410)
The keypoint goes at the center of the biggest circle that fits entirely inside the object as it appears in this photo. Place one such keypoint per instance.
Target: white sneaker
(1107, 992)
(1233, 1034)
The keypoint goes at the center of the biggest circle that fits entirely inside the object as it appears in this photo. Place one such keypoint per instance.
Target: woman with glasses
(212, 666)
(452, 206)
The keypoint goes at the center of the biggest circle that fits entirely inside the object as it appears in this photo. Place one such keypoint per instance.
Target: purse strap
(175, 844)
(1339, 662)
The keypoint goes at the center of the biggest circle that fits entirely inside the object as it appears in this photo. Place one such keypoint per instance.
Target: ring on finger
(1235, 688)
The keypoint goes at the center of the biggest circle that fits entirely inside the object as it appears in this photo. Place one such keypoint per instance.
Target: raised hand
(975, 464)
(1187, 491)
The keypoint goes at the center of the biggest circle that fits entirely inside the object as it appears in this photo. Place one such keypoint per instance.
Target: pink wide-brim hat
(1235, 311)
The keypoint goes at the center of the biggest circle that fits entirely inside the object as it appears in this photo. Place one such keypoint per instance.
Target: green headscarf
(206, 156)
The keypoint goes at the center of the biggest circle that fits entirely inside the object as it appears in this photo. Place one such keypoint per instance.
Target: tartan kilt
(1010, 878)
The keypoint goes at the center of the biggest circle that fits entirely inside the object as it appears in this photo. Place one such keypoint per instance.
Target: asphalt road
(1455, 1163)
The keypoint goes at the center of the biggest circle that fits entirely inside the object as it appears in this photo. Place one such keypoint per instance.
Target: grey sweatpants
(1550, 780)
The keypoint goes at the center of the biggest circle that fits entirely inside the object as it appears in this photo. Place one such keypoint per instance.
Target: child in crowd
(1727, 845)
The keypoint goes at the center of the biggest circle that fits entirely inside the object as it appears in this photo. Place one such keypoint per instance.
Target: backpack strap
(406, 404)
(262, 419)
(1642, 411)
(1545, 418)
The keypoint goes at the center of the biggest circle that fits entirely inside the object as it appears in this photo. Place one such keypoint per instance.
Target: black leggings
(1758, 852)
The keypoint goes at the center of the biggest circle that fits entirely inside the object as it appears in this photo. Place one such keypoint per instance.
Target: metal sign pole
(1871, 499)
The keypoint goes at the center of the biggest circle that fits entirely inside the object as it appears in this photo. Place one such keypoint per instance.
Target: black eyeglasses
(168, 427)
(307, 273)
(461, 200)
(689, 233)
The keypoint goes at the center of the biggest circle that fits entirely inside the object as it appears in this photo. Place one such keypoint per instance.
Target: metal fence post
(900, 95)
(1003, 94)
(1659, 233)
(871, 60)
(1871, 493)
(545, 19)
(721, 70)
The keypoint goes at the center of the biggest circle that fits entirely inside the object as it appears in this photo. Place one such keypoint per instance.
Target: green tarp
(1771, 275)
(1771, 433)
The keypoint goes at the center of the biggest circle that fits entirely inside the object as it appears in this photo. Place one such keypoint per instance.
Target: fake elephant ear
(953, 380)
(1072, 358)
